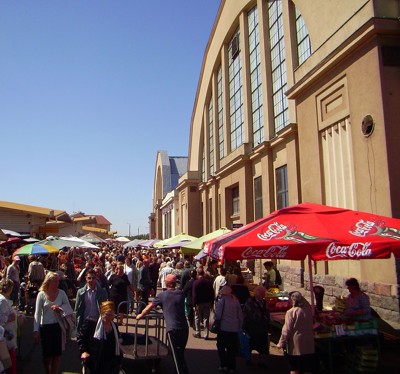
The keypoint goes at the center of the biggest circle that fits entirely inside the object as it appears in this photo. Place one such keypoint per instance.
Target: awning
(86, 219)
(94, 229)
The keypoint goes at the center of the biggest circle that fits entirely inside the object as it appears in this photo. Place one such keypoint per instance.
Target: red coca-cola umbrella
(318, 231)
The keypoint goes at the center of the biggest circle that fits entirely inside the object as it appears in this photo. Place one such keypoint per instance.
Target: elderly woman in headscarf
(229, 311)
(297, 338)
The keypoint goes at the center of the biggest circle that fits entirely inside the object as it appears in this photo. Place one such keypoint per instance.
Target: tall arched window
(220, 110)
(211, 136)
(304, 49)
(235, 92)
(203, 165)
(255, 78)
(278, 65)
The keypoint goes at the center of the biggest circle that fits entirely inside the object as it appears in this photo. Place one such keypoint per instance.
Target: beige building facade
(298, 101)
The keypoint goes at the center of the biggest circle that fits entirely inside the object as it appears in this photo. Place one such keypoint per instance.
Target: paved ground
(201, 356)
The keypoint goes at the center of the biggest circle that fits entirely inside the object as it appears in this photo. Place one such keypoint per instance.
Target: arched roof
(168, 171)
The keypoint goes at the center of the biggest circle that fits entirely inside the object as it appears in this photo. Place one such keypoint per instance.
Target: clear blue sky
(90, 90)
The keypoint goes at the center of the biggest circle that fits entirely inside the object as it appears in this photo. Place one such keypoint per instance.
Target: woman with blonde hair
(46, 329)
(106, 346)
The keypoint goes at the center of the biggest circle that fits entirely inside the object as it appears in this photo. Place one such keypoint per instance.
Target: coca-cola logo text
(354, 250)
(275, 251)
(274, 229)
(362, 228)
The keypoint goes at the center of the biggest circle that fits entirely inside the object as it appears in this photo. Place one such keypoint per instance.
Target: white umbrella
(66, 242)
(122, 239)
(31, 240)
(92, 238)
(60, 242)
(11, 233)
(83, 243)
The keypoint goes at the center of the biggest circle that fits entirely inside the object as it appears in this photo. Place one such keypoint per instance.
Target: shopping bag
(244, 340)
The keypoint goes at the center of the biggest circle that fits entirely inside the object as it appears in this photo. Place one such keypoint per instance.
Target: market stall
(318, 233)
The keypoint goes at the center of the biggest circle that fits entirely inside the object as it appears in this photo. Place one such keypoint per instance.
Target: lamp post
(129, 225)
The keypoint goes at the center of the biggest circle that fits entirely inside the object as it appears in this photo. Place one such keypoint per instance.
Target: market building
(164, 220)
(298, 101)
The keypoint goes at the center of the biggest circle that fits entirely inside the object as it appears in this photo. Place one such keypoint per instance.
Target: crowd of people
(80, 289)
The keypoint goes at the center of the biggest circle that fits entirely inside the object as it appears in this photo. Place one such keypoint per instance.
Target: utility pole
(129, 225)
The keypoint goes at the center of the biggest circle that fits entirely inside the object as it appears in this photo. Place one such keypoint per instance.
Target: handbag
(244, 340)
(216, 326)
(5, 355)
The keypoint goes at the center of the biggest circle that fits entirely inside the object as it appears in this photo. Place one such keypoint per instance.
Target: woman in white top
(46, 329)
(8, 321)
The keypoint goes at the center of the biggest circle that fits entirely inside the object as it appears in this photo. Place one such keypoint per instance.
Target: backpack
(278, 278)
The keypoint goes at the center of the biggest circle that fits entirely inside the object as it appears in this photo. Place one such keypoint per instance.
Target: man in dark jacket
(145, 284)
(185, 276)
(87, 309)
(203, 300)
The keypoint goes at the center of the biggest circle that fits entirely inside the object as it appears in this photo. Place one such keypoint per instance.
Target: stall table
(360, 340)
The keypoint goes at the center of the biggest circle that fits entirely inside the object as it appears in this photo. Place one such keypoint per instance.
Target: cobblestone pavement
(201, 356)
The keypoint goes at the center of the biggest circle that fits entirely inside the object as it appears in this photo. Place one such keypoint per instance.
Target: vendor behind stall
(357, 303)
(269, 275)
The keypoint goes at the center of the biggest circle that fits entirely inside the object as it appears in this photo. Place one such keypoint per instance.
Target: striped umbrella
(35, 249)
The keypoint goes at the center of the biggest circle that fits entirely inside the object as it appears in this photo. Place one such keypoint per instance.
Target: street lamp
(129, 225)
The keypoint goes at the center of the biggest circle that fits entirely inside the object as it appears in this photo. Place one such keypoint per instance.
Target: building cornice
(362, 37)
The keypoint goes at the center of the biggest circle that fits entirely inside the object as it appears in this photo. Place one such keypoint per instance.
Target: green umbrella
(175, 239)
(196, 246)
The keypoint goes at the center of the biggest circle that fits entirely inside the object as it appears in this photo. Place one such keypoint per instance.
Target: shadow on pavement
(201, 356)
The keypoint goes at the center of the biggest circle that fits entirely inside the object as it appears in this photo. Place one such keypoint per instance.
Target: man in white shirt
(13, 274)
(219, 282)
(168, 269)
(132, 274)
(36, 271)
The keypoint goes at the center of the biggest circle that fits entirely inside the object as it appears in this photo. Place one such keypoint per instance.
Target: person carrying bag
(256, 325)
